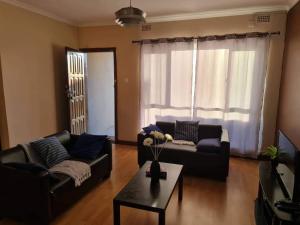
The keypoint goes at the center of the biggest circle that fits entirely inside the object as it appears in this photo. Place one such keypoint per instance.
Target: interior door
(76, 91)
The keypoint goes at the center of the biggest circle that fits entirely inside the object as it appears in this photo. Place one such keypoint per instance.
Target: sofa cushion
(209, 145)
(88, 146)
(29, 167)
(186, 130)
(166, 127)
(66, 183)
(209, 131)
(33, 169)
(172, 146)
(151, 128)
(50, 150)
(64, 137)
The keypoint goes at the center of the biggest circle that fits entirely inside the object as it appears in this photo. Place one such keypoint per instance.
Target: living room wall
(289, 107)
(128, 60)
(33, 70)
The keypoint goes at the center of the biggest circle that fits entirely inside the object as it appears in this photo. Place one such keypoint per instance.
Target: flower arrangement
(272, 152)
(156, 142)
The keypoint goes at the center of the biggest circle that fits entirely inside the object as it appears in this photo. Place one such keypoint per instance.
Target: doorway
(101, 91)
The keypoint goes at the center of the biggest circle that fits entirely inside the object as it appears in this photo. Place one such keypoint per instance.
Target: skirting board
(122, 142)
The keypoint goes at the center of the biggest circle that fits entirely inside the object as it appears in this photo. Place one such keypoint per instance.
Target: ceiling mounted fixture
(130, 16)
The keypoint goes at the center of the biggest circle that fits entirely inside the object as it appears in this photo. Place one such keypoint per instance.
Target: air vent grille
(263, 19)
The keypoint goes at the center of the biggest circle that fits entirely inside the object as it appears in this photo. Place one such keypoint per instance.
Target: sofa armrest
(107, 148)
(22, 193)
(225, 146)
(140, 147)
(225, 143)
(140, 138)
(224, 136)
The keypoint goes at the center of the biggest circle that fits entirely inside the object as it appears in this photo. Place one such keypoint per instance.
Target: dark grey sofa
(207, 164)
(37, 199)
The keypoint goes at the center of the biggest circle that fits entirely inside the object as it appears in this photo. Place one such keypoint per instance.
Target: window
(215, 82)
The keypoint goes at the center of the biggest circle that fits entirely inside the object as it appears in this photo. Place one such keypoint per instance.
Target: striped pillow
(50, 150)
(186, 130)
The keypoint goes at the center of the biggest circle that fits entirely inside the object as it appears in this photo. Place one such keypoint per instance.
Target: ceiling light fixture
(130, 16)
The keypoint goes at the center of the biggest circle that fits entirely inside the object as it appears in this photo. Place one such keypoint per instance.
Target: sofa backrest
(25, 153)
(204, 130)
(166, 127)
(64, 137)
(15, 154)
(32, 155)
(209, 131)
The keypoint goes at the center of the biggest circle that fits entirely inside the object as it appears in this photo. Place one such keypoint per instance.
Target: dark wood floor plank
(205, 201)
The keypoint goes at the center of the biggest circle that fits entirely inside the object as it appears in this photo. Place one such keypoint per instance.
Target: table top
(139, 192)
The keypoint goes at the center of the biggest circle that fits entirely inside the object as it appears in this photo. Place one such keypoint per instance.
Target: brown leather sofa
(37, 199)
(208, 164)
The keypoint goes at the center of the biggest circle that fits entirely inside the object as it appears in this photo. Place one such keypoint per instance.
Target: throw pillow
(209, 145)
(50, 150)
(88, 146)
(186, 130)
(151, 128)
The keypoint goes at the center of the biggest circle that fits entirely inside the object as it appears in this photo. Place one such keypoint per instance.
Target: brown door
(76, 91)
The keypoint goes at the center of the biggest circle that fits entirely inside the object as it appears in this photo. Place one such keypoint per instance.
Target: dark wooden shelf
(275, 186)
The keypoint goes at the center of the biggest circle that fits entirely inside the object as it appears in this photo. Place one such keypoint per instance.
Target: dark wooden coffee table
(139, 193)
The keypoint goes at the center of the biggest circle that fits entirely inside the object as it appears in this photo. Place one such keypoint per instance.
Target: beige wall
(128, 56)
(289, 108)
(32, 58)
(4, 140)
(127, 71)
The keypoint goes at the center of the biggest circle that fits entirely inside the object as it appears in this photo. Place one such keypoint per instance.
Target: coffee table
(140, 193)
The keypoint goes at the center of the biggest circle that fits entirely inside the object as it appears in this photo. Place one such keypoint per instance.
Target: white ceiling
(88, 12)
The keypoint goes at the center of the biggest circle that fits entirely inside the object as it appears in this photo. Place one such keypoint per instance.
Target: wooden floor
(205, 202)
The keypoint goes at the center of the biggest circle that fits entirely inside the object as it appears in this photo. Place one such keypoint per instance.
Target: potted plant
(156, 143)
(273, 153)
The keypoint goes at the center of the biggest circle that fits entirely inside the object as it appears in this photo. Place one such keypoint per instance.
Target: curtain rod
(207, 38)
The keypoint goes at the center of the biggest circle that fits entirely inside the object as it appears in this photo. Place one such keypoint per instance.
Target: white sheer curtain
(166, 82)
(230, 80)
(219, 82)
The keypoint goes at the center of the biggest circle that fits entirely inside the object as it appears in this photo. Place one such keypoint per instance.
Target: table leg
(116, 213)
(180, 191)
(162, 218)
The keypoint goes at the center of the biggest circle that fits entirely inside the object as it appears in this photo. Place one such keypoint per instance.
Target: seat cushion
(209, 145)
(29, 167)
(186, 130)
(65, 182)
(50, 150)
(88, 146)
(172, 146)
(32, 168)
